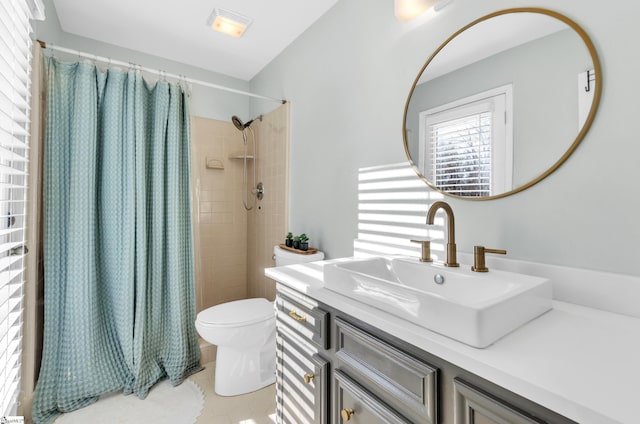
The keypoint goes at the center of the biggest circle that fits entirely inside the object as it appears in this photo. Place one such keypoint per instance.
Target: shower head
(237, 122)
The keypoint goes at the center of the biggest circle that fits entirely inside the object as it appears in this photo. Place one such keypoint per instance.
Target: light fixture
(406, 10)
(228, 22)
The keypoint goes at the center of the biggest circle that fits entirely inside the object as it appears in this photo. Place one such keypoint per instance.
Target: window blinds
(462, 153)
(15, 70)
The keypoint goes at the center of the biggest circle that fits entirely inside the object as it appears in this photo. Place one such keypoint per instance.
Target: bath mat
(164, 404)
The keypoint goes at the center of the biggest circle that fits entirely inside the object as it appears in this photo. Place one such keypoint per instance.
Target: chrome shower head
(237, 123)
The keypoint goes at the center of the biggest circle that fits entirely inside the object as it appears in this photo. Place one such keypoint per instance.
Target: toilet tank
(285, 257)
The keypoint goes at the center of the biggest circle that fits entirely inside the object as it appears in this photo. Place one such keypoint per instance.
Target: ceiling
(177, 30)
(491, 37)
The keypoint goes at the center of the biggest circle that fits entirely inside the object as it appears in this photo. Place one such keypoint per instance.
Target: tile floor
(253, 408)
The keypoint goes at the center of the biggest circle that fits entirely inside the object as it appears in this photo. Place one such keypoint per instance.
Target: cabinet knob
(308, 378)
(294, 315)
(346, 414)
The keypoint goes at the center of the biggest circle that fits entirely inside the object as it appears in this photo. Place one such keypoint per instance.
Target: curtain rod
(160, 73)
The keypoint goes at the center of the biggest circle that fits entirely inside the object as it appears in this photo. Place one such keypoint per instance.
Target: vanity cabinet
(474, 406)
(304, 316)
(302, 372)
(302, 378)
(402, 382)
(333, 368)
(331, 371)
(354, 404)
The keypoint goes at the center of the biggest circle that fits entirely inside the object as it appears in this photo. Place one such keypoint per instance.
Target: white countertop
(580, 362)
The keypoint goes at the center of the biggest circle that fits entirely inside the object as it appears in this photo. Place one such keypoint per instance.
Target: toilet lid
(238, 312)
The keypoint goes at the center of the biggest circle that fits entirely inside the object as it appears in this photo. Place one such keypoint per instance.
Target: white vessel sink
(471, 307)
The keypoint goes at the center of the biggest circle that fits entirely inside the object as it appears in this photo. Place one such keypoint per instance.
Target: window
(15, 82)
(466, 146)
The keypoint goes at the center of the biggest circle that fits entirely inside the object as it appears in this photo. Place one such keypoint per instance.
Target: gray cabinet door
(402, 381)
(354, 404)
(474, 406)
(303, 315)
(302, 380)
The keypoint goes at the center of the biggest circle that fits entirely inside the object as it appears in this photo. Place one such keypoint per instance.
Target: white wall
(205, 102)
(348, 77)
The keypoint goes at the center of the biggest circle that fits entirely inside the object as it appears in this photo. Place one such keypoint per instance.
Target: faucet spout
(452, 259)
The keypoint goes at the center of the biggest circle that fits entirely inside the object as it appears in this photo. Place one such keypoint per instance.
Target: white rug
(165, 404)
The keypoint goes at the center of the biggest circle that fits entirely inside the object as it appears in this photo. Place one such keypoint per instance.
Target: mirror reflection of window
(466, 146)
(539, 53)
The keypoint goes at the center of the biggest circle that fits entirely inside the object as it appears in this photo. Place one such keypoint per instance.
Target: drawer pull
(308, 378)
(294, 315)
(346, 414)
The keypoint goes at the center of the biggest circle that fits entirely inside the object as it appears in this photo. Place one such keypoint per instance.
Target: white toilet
(245, 333)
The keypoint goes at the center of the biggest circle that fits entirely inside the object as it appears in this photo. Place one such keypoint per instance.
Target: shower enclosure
(234, 245)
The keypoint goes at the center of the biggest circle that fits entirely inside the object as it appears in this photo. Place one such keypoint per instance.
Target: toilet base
(240, 371)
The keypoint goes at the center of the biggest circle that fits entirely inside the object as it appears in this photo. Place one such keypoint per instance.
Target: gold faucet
(478, 257)
(425, 249)
(452, 260)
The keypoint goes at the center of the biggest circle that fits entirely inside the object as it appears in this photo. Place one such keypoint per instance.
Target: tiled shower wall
(232, 246)
(267, 222)
(220, 221)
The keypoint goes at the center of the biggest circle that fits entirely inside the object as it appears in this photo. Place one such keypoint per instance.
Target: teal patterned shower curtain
(119, 283)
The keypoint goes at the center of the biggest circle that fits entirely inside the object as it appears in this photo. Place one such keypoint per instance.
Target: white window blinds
(15, 70)
(466, 145)
(462, 155)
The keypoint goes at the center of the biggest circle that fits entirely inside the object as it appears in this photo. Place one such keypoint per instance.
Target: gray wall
(205, 102)
(348, 77)
(543, 74)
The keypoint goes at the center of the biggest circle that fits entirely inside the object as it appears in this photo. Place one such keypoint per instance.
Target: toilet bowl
(244, 332)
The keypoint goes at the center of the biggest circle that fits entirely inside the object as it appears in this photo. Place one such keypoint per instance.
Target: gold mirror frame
(583, 131)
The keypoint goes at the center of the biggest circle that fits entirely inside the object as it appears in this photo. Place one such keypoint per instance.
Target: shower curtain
(119, 283)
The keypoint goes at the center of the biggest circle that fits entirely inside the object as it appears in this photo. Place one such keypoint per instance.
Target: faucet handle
(426, 250)
(478, 257)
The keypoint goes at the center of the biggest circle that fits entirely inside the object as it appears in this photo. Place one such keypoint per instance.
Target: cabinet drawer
(474, 406)
(303, 315)
(354, 404)
(404, 382)
(301, 382)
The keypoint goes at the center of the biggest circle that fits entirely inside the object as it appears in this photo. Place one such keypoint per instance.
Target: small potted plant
(296, 242)
(288, 241)
(304, 242)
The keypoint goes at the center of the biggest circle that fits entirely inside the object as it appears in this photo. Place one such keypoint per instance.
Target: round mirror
(502, 103)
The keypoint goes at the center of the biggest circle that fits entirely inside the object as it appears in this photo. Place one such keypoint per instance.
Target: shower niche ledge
(240, 156)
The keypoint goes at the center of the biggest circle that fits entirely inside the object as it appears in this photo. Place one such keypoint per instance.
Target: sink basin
(471, 307)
